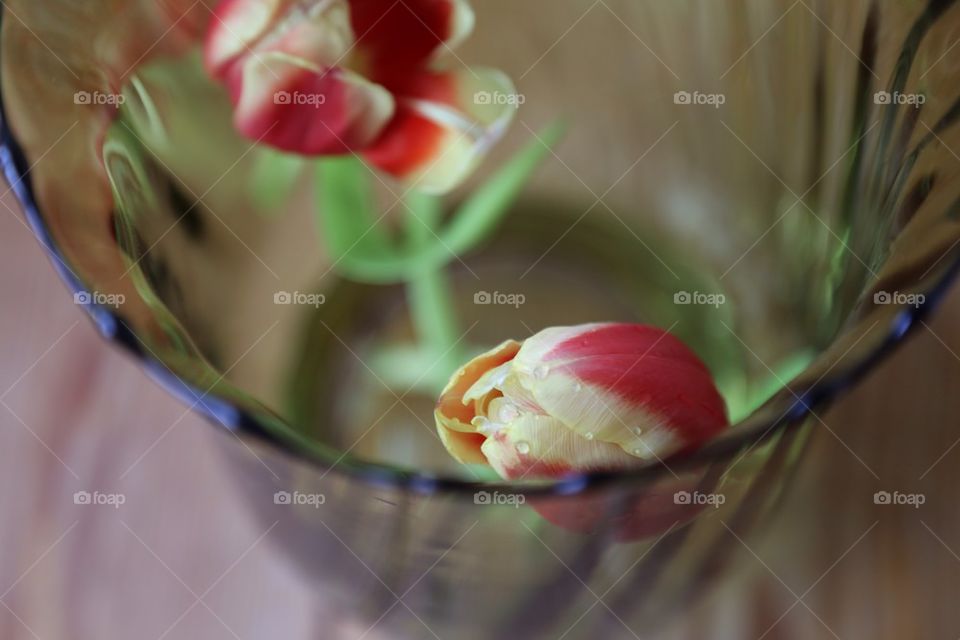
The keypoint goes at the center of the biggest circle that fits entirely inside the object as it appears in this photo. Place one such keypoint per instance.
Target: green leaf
(367, 255)
(423, 215)
(350, 230)
(429, 291)
(479, 215)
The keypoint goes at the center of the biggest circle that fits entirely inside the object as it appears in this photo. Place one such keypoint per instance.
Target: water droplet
(578, 387)
(507, 413)
(638, 431)
(523, 448)
(588, 435)
(638, 452)
(541, 372)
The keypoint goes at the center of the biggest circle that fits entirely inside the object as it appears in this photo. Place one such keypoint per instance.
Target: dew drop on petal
(578, 387)
(637, 452)
(638, 431)
(508, 413)
(541, 372)
(588, 435)
(523, 448)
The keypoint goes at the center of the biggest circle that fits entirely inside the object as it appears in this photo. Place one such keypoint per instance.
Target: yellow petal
(599, 416)
(454, 413)
(535, 445)
(464, 446)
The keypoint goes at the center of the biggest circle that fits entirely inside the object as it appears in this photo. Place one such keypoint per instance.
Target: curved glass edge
(272, 432)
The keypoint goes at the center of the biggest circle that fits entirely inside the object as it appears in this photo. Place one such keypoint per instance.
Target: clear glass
(730, 172)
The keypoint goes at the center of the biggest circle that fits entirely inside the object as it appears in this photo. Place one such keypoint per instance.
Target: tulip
(331, 77)
(595, 397)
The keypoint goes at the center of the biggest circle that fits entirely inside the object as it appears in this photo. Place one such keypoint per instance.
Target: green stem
(433, 315)
(430, 293)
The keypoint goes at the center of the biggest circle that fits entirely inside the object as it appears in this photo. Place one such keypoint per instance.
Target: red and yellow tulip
(595, 397)
(330, 77)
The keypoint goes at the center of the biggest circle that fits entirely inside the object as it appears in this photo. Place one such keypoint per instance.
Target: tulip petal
(317, 32)
(307, 110)
(235, 28)
(463, 447)
(534, 445)
(395, 37)
(441, 130)
(594, 414)
(631, 385)
(454, 414)
(281, 62)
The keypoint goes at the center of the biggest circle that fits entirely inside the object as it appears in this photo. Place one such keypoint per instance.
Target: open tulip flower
(595, 397)
(331, 77)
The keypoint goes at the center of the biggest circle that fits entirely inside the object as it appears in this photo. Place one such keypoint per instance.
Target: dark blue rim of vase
(219, 410)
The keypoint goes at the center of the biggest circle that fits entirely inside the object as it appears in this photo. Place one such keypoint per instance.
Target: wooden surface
(181, 559)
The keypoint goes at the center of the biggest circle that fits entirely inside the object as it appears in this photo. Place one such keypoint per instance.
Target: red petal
(441, 130)
(305, 111)
(624, 339)
(398, 38)
(646, 366)
(410, 141)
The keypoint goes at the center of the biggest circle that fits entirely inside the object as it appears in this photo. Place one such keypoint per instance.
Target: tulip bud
(595, 397)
